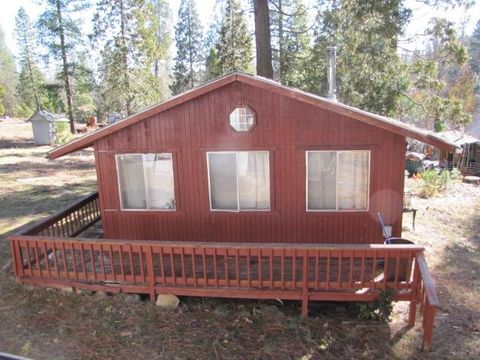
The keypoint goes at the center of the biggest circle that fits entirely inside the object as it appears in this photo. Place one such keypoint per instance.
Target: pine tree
(84, 87)
(474, 49)
(30, 93)
(152, 79)
(8, 78)
(233, 49)
(291, 41)
(187, 71)
(370, 74)
(135, 42)
(431, 102)
(30, 79)
(61, 34)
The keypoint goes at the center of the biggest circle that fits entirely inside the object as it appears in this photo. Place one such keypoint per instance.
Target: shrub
(63, 133)
(432, 182)
(379, 309)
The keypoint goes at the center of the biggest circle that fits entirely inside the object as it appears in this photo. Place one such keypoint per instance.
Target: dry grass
(49, 324)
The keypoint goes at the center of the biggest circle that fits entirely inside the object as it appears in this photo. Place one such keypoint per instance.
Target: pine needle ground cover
(51, 324)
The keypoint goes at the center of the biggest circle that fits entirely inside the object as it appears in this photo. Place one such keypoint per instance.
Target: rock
(221, 310)
(83, 291)
(67, 289)
(132, 298)
(167, 301)
(271, 311)
(100, 294)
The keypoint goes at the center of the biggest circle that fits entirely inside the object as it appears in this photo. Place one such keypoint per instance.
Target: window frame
(175, 209)
(238, 210)
(337, 152)
(240, 132)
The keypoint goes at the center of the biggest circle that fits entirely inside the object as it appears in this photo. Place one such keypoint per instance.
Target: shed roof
(41, 115)
(383, 122)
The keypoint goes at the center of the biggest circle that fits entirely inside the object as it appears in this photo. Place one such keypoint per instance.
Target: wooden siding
(286, 128)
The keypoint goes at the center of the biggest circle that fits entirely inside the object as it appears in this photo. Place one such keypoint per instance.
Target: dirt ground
(50, 324)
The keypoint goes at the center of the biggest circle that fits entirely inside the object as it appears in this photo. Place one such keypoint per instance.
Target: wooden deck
(47, 254)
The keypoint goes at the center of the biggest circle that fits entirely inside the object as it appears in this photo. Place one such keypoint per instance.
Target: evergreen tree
(153, 18)
(474, 49)
(233, 49)
(135, 43)
(8, 78)
(369, 71)
(30, 90)
(291, 41)
(61, 34)
(432, 103)
(84, 87)
(30, 79)
(190, 58)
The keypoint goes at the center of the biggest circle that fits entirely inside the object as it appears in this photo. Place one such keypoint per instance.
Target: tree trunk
(30, 71)
(262, 39)
(68, 89)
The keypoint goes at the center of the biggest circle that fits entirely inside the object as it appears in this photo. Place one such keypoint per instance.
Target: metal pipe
(332, 72)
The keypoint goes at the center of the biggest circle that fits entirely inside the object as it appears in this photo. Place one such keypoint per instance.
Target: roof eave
(366, 117)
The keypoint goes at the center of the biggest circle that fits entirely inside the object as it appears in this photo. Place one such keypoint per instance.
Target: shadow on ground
(458, 287)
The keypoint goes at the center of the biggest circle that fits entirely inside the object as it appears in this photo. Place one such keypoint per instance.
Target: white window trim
(147, 200)
(337, 152)
(236, 174)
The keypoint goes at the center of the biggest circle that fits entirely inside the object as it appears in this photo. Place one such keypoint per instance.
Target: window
(239, 181)
(338, 180)
(242, 119)
(146, 181)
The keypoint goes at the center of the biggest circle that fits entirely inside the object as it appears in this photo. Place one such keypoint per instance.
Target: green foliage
(31, 80)
(2, 95)
(8, 78)
(474, 49)
(134, 39)
(379, 309)
(435, 105)
(190, 58)
(370, 74)
(64, 135)
(233, 49)
(60, 32)
(291, 41)
(23, 111)
(433, 181)
(84, 85)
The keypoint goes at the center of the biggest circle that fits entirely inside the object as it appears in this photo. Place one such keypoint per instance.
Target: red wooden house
(239, 188)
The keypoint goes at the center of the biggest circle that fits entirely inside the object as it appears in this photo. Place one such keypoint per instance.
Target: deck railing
(71, 221)
(303, 272)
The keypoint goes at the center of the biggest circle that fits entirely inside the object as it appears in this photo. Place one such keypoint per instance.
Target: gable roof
(379, 121)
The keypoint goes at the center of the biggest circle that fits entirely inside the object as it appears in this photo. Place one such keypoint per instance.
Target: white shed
(43, 125)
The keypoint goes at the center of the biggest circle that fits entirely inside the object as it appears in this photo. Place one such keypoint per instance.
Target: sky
(422, 15)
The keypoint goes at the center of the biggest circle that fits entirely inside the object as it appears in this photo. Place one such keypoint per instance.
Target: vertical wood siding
(286, 128)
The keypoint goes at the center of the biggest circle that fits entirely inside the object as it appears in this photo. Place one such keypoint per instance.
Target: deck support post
(428, 318)
(305, 303)
(412, 312)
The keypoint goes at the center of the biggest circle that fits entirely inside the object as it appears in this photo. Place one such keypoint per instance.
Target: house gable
(260, 83)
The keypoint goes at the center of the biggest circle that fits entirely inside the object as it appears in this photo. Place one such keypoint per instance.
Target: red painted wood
(286, 128)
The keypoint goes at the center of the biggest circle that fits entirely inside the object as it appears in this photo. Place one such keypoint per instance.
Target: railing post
(17, 263)
(428, 318)
(151, 273)
(415, 290)
(305, 294)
